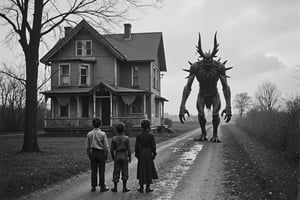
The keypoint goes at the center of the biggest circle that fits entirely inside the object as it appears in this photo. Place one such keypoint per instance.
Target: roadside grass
(61, 158)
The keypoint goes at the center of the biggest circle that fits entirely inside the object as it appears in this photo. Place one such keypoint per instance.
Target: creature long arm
(186, 92)
(227, 96)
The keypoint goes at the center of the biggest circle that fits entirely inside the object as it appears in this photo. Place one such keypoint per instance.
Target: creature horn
(186, 70)
(216, 45)
(190, 62)
(199, 48)
(224, 62)
(228, 68)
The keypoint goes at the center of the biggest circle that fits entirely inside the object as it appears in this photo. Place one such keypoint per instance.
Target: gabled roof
(66, 39)
(140, 47)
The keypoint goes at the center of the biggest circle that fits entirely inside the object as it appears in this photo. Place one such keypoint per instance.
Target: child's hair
(96, 122)
(120, 127)
(145, 124)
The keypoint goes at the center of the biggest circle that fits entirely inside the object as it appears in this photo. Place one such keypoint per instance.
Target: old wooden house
(115, 77)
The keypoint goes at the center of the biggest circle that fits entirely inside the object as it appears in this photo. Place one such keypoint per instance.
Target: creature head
(208, 56)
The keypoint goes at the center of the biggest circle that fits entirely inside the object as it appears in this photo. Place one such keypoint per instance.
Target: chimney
(68, 30)
(127, 31)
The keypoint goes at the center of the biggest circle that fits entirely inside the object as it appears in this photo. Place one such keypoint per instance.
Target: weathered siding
(102, 70)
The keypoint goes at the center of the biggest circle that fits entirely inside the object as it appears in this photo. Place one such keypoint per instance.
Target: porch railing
(134, 121)
(68, 123)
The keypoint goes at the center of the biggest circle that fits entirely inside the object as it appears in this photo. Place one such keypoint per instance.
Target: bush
(168, 122)
(277, 129)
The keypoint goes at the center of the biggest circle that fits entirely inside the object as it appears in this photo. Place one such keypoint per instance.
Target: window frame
(133, 77)
(83, 65)
(83, 47)
(61, 75)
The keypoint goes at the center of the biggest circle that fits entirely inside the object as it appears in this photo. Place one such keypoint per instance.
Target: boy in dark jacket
(121, 154)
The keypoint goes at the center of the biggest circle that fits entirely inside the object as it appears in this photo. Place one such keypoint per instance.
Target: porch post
(45, 112)
(145, 113)
(77, 114)
(162, 114)
(94, 104)
(111, 108)
(52, 108)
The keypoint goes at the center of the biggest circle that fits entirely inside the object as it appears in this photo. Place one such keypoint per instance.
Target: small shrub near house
(168, 122)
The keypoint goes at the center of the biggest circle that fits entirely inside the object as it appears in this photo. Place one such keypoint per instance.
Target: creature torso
(208, 76)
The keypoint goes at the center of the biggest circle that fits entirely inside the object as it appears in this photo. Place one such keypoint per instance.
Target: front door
(103, 110)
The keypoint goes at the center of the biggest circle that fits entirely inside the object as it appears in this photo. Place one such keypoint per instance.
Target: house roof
(140, 47)
(89, 90)
(63, 41)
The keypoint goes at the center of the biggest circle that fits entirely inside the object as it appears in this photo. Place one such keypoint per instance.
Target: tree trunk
(30, 143)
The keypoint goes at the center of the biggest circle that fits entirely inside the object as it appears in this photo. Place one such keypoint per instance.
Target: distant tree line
(270, 118)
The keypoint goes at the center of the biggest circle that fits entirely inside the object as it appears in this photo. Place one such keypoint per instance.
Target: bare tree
(12, 101)
(267, 96)
(31, 20)
(242, 102)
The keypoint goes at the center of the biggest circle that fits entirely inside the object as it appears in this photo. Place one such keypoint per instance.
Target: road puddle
(166, 187)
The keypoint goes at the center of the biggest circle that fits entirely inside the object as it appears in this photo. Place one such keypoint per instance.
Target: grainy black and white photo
(149, 99)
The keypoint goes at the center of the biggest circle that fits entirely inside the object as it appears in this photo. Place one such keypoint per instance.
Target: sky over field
(259, 38)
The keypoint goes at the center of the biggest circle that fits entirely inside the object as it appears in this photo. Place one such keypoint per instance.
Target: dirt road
(187, 170)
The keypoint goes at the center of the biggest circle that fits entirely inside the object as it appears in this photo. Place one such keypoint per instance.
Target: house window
(156, 108)
(135, 76)
(84, 75)
(137, 105)
(154, 77)
(64, 74)
(83, 47)
(85, 107)
(64, 110)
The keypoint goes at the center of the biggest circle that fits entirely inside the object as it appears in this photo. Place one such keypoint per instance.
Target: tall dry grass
(279, 130)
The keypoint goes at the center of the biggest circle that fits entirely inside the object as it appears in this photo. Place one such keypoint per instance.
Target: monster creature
(208, 72)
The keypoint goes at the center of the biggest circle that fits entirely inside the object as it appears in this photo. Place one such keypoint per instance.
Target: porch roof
(160, 98)
(58, 91)
(89, 90)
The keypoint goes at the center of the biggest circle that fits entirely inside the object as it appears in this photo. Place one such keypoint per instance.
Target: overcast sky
(259, 38)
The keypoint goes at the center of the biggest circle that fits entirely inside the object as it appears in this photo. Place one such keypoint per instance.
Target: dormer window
(83, 47)
(64, 74)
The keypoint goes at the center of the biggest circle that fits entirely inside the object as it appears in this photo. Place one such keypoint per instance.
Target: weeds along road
(186, 169)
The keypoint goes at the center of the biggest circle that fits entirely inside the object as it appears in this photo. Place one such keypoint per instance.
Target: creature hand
(182, 112)
(227, 112)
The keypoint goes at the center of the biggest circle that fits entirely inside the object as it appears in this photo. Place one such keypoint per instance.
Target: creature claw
(215, 140)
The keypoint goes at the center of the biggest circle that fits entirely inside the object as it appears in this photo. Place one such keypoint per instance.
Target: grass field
(61, 158)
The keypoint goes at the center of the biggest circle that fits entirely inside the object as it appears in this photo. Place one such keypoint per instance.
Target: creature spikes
(190, 62)
(228, 68)
(216, 45)
(219, 59)
(224, 62)
(186, 70)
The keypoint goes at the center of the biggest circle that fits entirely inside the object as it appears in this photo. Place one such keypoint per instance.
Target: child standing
(145, 151)
(121, 154)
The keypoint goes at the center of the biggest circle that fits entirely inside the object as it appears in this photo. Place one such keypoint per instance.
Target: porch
(74, 108)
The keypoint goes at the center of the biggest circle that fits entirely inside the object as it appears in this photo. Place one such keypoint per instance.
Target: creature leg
(201, 119)
(216, 118)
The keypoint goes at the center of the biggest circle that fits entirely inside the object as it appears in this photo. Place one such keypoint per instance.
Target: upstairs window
(84, 75)
(156, 78)
(83, 47)
(135, 76)
(64, 74)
